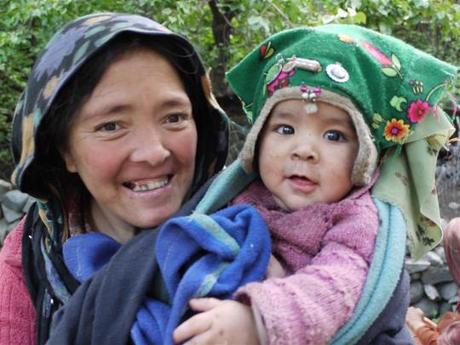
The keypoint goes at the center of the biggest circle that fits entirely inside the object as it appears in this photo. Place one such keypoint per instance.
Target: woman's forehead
(140, 78)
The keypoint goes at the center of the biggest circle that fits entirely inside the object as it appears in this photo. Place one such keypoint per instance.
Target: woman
(116, 128)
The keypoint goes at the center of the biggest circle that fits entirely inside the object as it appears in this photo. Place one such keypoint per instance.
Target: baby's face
(307, 158)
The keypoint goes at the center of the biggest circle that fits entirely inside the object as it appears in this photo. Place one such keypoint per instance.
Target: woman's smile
(148, 185)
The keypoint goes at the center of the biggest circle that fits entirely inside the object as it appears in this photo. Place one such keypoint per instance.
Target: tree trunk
(222, 15)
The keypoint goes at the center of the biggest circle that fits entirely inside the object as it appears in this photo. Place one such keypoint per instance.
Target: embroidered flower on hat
(266, 51)
(396, 131)
(278, 75)
(418, 110)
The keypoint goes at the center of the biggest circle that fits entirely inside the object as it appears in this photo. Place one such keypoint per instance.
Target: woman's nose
(149, 146)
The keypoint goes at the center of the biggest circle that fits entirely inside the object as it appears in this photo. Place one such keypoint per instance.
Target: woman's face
(133, 143)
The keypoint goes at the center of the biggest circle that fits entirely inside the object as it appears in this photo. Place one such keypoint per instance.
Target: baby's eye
(284, 130)
(108, 127)
(334, 136)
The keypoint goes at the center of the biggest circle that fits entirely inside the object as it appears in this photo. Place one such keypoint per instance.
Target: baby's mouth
(147, 186)
(302, 179)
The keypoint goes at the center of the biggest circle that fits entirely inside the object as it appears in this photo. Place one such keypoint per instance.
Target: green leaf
(259, 22)
(360, 18)
(396, 102)
(377, 117)
(389, 71)
(396, 61)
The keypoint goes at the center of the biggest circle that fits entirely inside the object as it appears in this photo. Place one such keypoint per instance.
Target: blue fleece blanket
(198, 256)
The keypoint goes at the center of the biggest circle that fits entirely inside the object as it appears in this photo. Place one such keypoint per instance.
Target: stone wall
(432, 288)
(13, 206)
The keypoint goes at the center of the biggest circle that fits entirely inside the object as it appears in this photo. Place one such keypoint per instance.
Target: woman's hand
(220, 322)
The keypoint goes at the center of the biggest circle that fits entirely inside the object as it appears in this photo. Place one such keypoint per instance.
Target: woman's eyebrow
(119, 106)
(177, 101)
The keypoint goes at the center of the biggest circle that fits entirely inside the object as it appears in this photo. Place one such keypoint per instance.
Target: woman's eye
(175, 118)
(334, 136)
(108, 127)
(284, 130)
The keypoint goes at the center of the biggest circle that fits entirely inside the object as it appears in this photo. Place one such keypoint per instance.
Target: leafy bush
(223, 30)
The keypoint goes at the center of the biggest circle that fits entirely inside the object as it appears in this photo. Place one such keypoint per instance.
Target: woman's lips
(148, 185)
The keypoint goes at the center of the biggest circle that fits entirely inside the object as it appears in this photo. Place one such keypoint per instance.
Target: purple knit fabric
(326, 250)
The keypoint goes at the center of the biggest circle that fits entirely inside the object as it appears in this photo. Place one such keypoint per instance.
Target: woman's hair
(53, 132)
(450, 335)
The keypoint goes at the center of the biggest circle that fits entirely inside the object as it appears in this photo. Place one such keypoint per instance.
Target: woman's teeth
(147, 186)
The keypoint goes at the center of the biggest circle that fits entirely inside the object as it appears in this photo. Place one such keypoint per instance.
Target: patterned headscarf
(391, 91)
(62, 58)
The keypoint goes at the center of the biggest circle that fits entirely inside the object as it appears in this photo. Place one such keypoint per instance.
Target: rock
(454, 300)
(431, 292)
(434, 259)
(416, 266)
(416, 292)
(29, 203)
(454, 205)
(440, 251)
(12, 225)
(4, 187)
(443, 223)
(416, 276)
(3, 229)
(10, 215)
(448, 290)
(435, 275)
(15, 200)
(430, 308)
(445, 307)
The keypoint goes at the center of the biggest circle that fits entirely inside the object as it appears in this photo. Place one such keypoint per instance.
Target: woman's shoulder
(11, 252)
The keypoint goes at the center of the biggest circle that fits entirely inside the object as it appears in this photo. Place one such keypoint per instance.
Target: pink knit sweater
(17, 313)
(326, 251)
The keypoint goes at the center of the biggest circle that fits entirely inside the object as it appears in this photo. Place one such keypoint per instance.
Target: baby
(329, 105)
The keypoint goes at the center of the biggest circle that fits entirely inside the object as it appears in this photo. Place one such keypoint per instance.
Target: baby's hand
(274, 269)
(220, 322)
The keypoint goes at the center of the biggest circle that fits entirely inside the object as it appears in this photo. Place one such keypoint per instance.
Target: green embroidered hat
(390, 90)
(376, 78)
